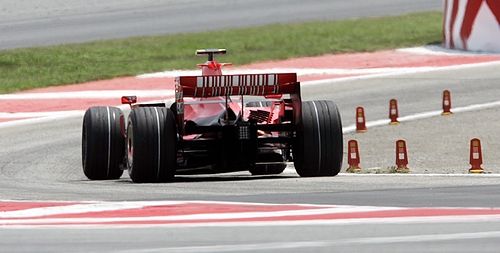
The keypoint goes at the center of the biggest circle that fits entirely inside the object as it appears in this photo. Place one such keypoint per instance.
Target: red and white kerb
(472, 25)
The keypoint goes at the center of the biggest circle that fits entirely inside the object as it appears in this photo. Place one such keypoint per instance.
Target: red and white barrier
(472, 25)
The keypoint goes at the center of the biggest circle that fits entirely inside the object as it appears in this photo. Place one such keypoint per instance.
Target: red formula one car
(218, 123)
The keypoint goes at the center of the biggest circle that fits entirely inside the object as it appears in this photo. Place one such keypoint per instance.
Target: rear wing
(232, 85)
(210, 52)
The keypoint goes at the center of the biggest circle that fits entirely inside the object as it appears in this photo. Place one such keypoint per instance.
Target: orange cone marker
(353, 157)
(476, 156)
(446, 103)
(401, 157)
(360, 120)
(393, 112)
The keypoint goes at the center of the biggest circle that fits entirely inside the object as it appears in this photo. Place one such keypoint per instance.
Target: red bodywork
(209, 91)
(217, 126)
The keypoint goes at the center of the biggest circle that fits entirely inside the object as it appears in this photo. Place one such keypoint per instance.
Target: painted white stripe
(427, 238)
(96, 206)
(402, 220)
(20, 115)
(15, 123)
(202, 216)
(413, 175)
(44, 117)
(306, 245)
(440, 51)
(306, 84)
(401, 73)
(94, 94)
(114, 206)
(427, 50)
(424, 115)
(83, 208)
(299, 71)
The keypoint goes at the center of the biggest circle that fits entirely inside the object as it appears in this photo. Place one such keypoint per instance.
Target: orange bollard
(360, 120)
(476, 156)
(393, 112)
(401, 157)
(446, 103)
(353, 157)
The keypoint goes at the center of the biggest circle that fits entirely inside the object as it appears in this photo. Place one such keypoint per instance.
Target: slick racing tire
(318, 150)
(151, 145)
(103, 144)
(269, 169)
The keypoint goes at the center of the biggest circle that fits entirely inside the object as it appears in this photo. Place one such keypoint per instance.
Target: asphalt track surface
(30, 23)
(42, 162)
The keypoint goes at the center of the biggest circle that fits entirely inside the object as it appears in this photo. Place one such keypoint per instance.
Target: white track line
(92, 94)
(299, 71)
(197, 217)
(99, 206)
(29, 214)
(424, 115)
(32, 121)
(441, 51)
(328, 222)
(306, 84)
(22, 115)
(402, 73)
(416, 175)
(308, 245)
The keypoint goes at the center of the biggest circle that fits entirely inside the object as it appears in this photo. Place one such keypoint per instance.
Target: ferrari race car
(217, 123)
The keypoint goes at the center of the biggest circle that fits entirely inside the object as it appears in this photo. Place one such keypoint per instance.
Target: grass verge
(28, 68)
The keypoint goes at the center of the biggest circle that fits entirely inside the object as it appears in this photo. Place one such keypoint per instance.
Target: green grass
(74, 63)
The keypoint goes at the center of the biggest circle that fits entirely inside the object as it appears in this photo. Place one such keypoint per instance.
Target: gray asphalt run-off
(440, 146)
(437, 237)
(38, 23)
(43, 161)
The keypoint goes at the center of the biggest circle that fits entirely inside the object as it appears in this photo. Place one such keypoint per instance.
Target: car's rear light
(244, 132)
(274, 96)
(128, 100)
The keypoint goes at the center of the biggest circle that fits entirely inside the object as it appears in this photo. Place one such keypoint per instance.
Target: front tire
(318, 150)
(103, 144)
(151, 145)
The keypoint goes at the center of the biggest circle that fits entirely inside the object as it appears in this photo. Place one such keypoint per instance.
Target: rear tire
(151, 145)
(103, 144)
(318, 150)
